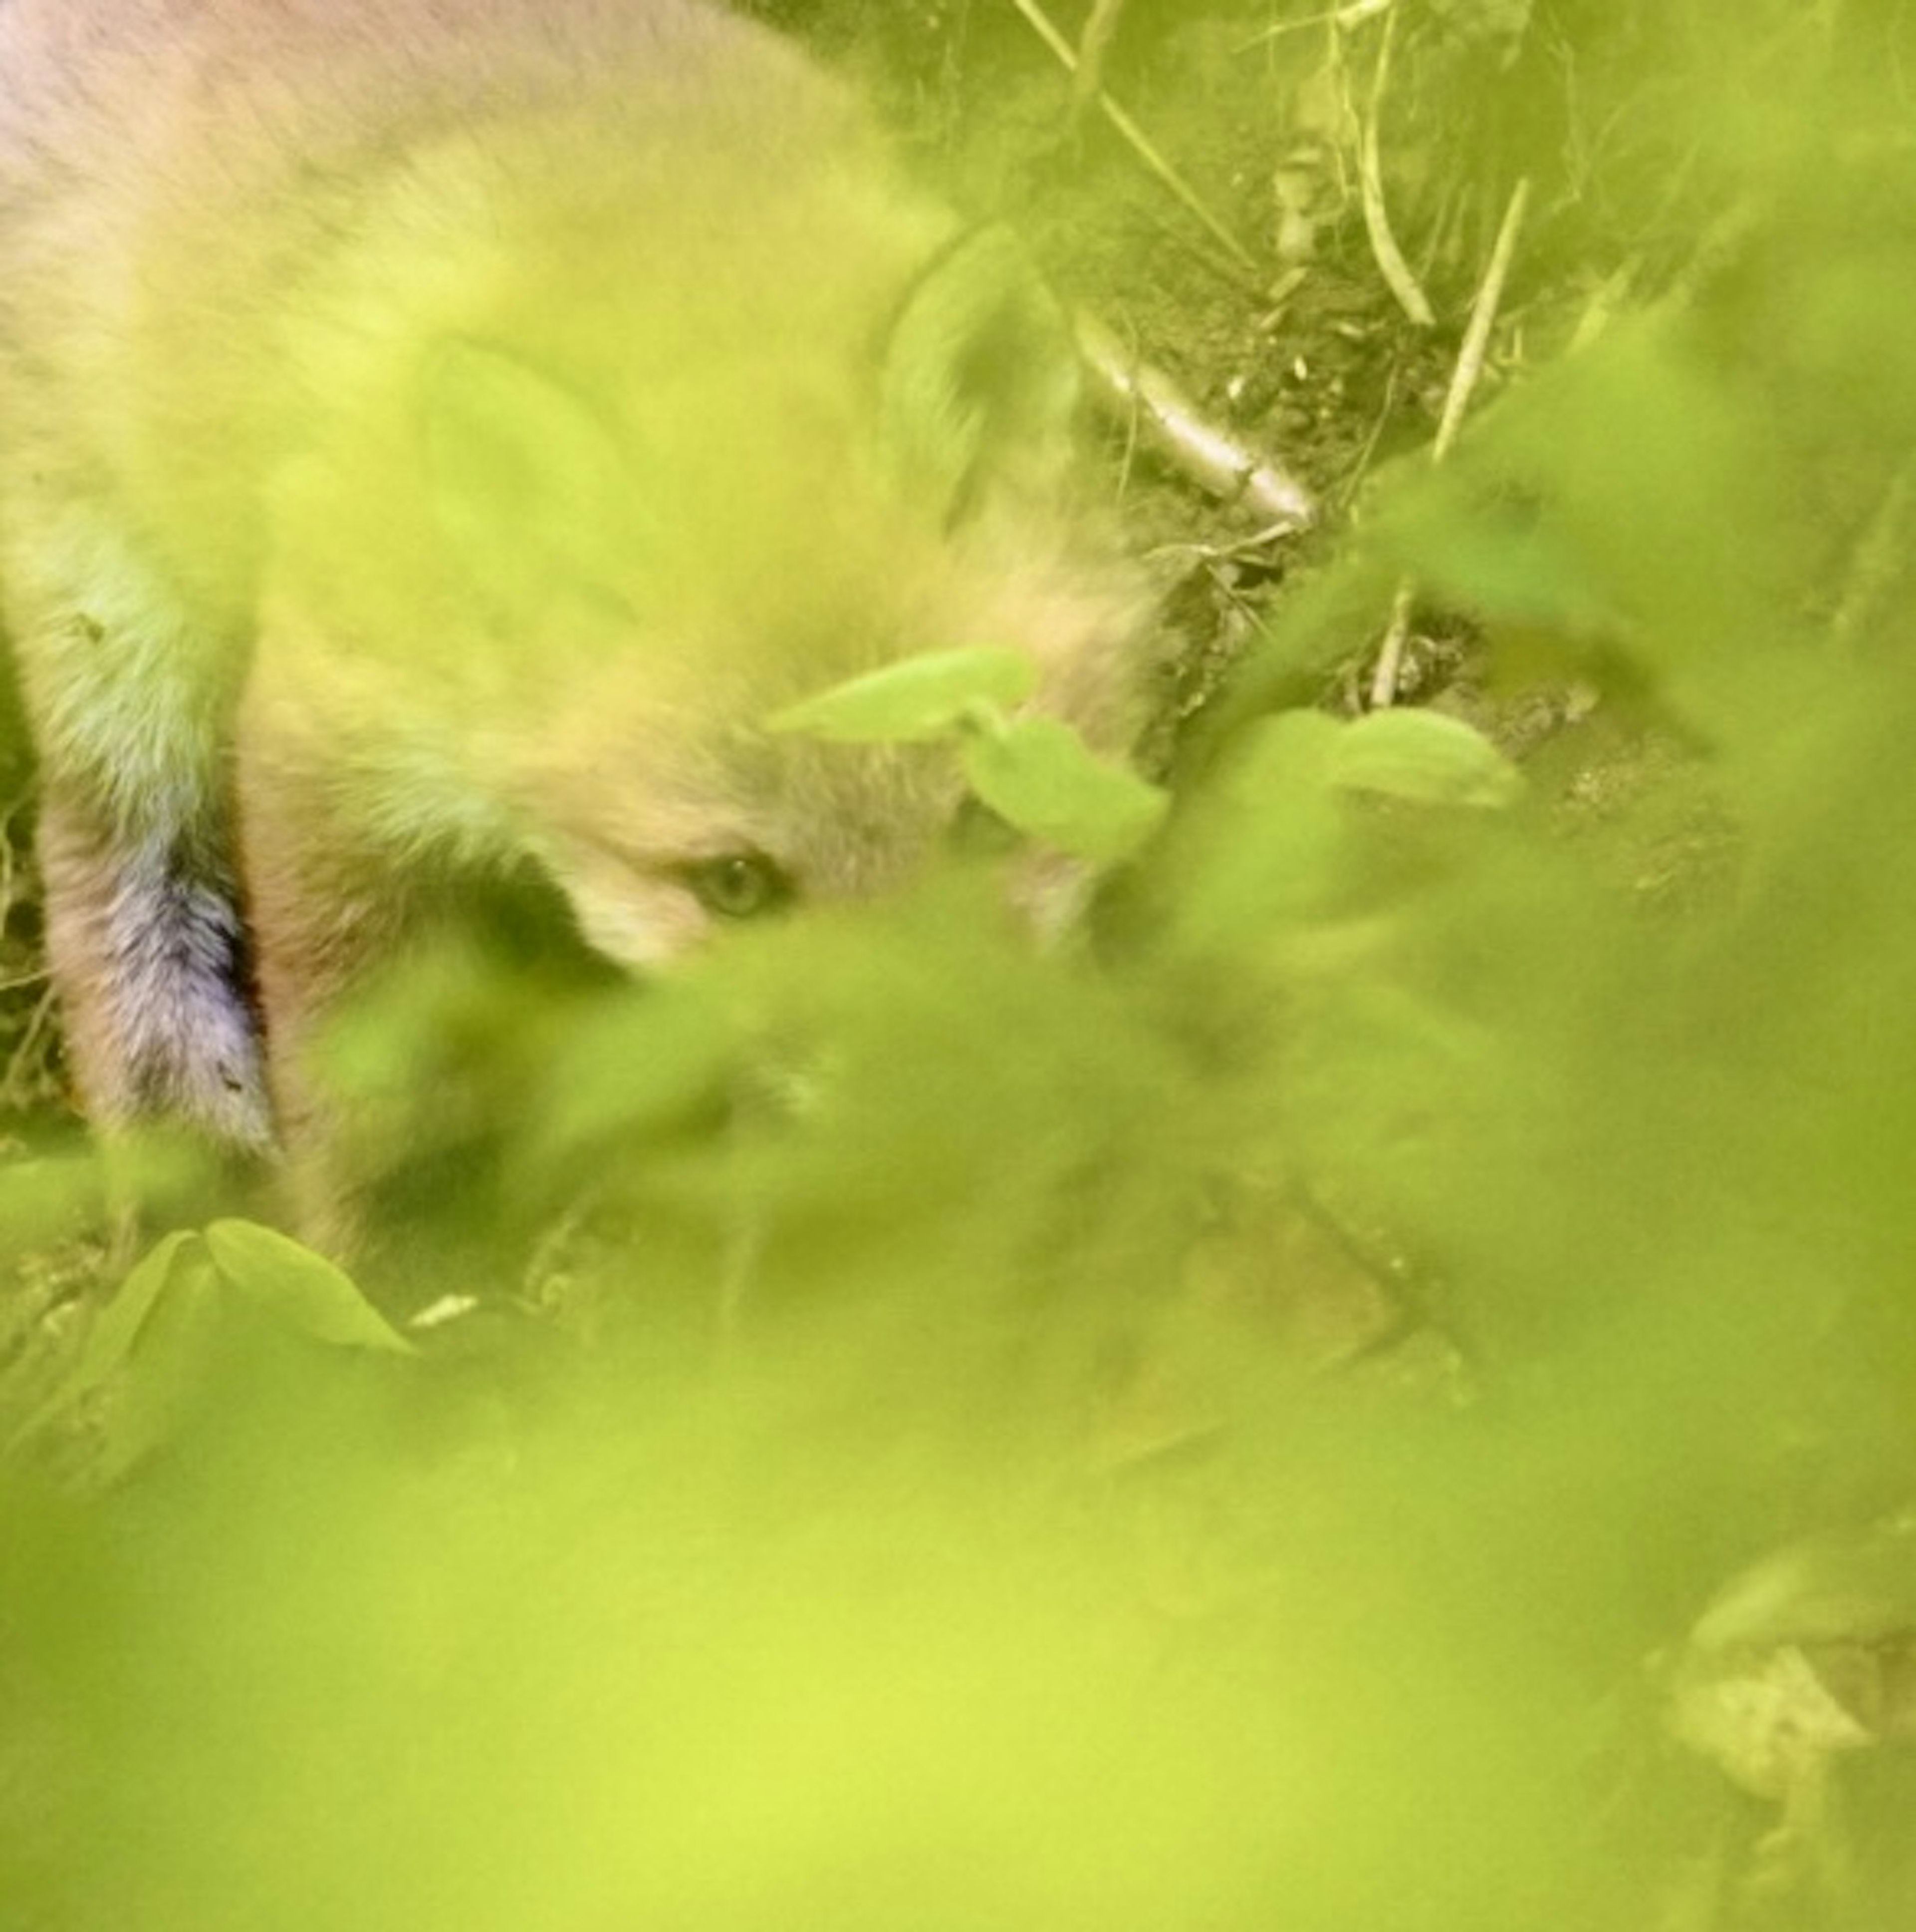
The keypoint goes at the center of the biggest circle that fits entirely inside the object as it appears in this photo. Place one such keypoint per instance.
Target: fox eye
(740, 885)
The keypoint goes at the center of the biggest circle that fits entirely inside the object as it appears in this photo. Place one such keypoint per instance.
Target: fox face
(437, 437)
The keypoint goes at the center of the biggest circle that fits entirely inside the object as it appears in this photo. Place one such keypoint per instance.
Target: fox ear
(528, 486)
(980, 379)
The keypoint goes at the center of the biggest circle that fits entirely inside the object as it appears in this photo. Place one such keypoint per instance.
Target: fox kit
(435, 435)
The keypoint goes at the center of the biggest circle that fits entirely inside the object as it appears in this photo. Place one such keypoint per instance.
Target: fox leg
(323, 919)
(145, 937)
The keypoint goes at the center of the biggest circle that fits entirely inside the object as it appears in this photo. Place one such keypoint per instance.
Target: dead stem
(1093, 43)
(1140, 142)
(1389, 257)
(1877, 563)
(1149, 403)
(1463, 381)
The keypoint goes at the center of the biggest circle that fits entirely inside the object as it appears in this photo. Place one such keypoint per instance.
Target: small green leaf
(1424, 756)
(918, 699)
(155, 1397)
(117, 1331)
(1038, 775)
(296, 1286)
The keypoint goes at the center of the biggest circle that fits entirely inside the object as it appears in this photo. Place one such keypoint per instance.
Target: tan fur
(434, 435)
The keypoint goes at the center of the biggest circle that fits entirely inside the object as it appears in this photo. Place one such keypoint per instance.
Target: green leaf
(147, 1349)
(1038, 775)
(1424, 756)
(298, 1287)
(153, 1398)
(115, 1335)
(921, 698)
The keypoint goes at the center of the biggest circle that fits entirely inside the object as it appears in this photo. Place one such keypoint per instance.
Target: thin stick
(1093, 43)
(1483, 318)
(1153, 407)
(1389, 257)
(1345, 18)
(1463, 381)
(1877, 562)
(1141, 143)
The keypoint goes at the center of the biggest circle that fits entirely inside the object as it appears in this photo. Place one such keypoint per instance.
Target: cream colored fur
(434, 435)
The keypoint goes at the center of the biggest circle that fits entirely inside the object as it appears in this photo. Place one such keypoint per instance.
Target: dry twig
(1140, 142)
(1343, 18)
(1878, 564)
(1168, 420)
(1462, 382)
(1093, 43)
(1389, 257)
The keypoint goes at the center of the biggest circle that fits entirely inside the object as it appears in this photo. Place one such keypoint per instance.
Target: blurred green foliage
(1036, 774)
(859, 1515)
